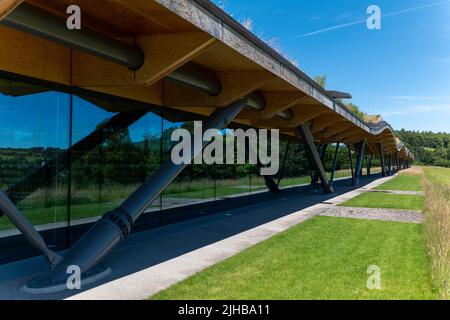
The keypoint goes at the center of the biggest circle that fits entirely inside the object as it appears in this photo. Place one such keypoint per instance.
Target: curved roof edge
(213, 20)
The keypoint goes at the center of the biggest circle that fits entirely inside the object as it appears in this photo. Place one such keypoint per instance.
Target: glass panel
(34, 136)
(296, 172)
(234, 184)
(194, 187)
(115, 166)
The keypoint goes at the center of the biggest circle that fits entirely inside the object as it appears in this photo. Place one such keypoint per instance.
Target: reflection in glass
(116, 165)
(195, 185)
(34, 137)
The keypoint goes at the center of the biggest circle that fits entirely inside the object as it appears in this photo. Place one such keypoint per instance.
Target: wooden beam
(163, 54)
(6, 6)
(302, 114)
(335, 129)
(167, 52)
(152, 94)
(95, 72)
(324, 121)
(277, 101)
(30, 56)
(248, 114)
(355, 137)
(345, 134)
(235, 85)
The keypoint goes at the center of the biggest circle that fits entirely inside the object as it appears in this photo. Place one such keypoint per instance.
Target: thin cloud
(421, 98)
(363, 20)
(340, 26)
(443, 109)
(248, 24)
(441, 60)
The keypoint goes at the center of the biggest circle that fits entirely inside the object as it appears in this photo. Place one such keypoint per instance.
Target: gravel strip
(375, 214)
(414, 193)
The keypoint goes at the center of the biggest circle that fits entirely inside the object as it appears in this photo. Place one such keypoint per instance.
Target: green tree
(321, 80)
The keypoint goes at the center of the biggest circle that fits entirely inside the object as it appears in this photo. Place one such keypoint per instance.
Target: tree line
(429, 148)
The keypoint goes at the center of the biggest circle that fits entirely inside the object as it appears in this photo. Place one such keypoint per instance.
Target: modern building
(86, 118)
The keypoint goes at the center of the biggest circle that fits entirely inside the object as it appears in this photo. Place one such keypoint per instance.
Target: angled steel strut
(389, 165)
(310, 146)
(350, 160)
(333, 169)
(114, 226)
(268, 181)
(369, 164)
(16, 217)
(397, 162)
(382, 159)
(281, 172)
(323, 152)
(359, 161)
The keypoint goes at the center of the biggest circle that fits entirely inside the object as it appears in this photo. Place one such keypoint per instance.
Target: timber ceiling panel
(131, 17)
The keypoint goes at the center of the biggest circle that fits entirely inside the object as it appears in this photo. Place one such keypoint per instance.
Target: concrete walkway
(400, 192)
(396, 215)
(153, 260)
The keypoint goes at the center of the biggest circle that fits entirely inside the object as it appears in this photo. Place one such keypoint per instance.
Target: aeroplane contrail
(395, 13)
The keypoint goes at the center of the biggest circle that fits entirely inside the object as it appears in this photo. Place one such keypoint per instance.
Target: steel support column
(369, 164)
(396, 162)
(359, 161)
(280, 174)
(323, 151)
(333, 169)
(27, 229)
(310, 146)
(383, 164)
(351, 163)
(114, 226)
(389, 165)
(268, 181)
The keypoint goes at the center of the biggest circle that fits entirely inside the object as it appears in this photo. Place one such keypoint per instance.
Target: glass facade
(66, 159)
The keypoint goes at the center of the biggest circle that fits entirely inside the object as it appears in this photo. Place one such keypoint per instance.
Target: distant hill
(428, 147)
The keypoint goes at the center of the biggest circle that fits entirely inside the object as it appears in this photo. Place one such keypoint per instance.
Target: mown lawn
(385, 201)
(403, 182)
(323, 258)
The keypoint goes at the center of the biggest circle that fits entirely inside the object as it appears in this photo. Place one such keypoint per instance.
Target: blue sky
(401, 71)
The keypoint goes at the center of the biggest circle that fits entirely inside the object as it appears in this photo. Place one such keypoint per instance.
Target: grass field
(323, 258)
(440, 175)
(385, 201)
(437, 227)
(404, 182)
